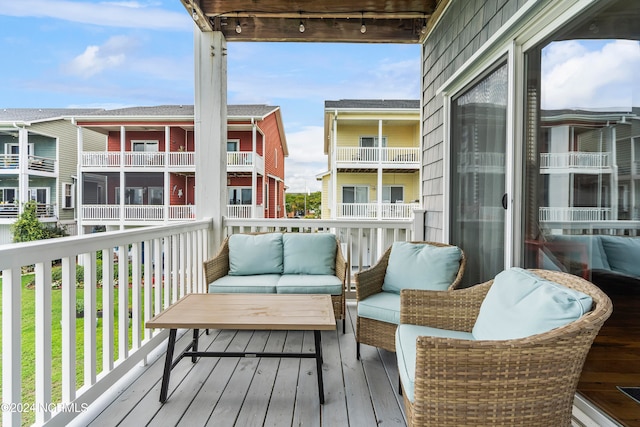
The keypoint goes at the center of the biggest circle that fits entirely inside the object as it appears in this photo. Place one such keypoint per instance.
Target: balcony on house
(575, 160)
(104, 160)
(398, 210)
(36, 165)
(110, 365)
(143, 213)
(244, 161)
(371, 157)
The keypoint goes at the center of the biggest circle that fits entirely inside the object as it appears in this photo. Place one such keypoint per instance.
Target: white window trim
(375, 139)
(235, 141)
(145, 142)
(367, 187)
(72, 189)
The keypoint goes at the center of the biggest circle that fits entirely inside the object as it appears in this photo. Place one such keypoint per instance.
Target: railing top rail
(315, 223)
(15, 255)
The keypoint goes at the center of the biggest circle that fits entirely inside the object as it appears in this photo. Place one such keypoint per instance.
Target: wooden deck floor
(268, 391)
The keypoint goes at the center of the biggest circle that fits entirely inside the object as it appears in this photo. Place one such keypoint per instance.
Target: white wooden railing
(9, 161)
(137, 212)
(165, 264)
(242, 211)
(574, 214)
(575, 159)
(244, 160)
(371, 210)
(34, 163)
(101, 159)
(11, 210)
(393, 155)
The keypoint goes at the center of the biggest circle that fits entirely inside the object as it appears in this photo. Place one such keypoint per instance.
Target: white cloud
(128, 14)
(605, 76)
(96, 59)
(306, 159)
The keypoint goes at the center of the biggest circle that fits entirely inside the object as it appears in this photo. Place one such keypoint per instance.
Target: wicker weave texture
(523, 382)
(369, 282)
(218, 266)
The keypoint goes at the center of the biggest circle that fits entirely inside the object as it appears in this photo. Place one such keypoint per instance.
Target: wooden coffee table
(291, 312)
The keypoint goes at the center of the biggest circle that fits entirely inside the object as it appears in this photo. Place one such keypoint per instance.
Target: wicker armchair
(521, 382)
(218, 266)
(369, 282)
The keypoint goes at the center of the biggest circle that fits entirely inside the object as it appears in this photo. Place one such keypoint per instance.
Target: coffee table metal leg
(168, 361)
(317, 339)
(194, 345)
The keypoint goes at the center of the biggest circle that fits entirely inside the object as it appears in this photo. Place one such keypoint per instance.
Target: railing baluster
(148, 288)
(11, 344)
(89, 318)
(136, 309)
(68, 329)
(123, 302)
(107, 310)
(43, 340)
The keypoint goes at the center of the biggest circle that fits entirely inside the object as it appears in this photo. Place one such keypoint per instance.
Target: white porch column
(333, 178)
(165, 175)
(379, 184)
(254, 172)
(123, 140)
(210, 54)
(79, 183)
(23, 168)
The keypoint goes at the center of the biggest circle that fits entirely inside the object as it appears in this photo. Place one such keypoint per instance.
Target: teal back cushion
(623, 254)
(309, 253)
(521, 303)
(421, 266)
(255, 254)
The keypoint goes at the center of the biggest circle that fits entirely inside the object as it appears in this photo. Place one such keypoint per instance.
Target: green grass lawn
(28, 342)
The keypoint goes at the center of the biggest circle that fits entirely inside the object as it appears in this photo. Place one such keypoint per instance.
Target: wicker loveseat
(508, 352)
(309, 263)
(423, 265)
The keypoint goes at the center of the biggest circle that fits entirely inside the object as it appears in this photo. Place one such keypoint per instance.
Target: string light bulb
(363, 28)
(301, 27)
(194, 14)
(238, 27)
(423, 30)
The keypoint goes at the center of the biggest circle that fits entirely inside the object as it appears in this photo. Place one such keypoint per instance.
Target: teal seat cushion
(520, 304)
(421, 266)
(258, 284)
(623, 254)
(383, 306)
(255, 254)
(309, 253)
(406, 336)
(309, 284)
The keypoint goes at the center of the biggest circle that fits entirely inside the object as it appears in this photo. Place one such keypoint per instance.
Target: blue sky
(112, 54)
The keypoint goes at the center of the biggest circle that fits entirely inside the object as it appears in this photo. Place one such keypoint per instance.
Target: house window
(132, 195)
(392, 194)
(156, 195)
(240, 196)
(372, 141)
(39, 195)
(8, 195)
(68, 194)
(233, 145)
(581, 121)
(355, 194)
(478, 148)
(15, 148)
(146, 146)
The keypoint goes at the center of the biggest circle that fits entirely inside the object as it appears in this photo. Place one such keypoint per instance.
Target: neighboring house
(591, 161)
(38, 159)
(146, 176)
(374, 158)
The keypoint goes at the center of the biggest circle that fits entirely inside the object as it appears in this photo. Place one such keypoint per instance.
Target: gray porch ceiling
(386, 21)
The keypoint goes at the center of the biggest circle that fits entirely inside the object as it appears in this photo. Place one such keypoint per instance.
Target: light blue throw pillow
(521, 303)
(255, 254)
(309, 253)
(421, 266)
(623, 254)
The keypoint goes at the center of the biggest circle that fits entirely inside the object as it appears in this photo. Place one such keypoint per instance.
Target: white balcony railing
(388, 155)
(575, 159)
(34, 163)
(137, 212)
(370, 210)
(138, 159)
(244, 211)
(244, 160)
(10, 210)
(547, 214)
(165, 263)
